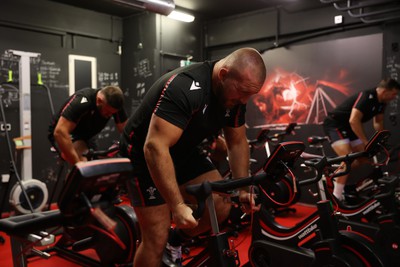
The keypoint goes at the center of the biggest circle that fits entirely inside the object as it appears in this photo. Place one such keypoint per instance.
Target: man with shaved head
(181, 109)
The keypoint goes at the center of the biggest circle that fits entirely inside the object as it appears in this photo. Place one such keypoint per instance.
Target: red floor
(242, 243)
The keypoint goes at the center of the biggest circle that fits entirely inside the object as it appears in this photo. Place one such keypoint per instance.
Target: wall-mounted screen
(306, 81)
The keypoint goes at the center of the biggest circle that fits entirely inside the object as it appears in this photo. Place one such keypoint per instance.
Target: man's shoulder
(197, 77)
(86, 96)
(371, 94)
(87, 92)
(199, 71)
(82, 100)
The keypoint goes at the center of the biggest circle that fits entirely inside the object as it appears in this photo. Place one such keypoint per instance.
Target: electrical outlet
(338, 19)
(4, 127)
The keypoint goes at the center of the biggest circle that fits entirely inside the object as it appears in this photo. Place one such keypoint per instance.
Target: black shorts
(338, 132)
(141, 187)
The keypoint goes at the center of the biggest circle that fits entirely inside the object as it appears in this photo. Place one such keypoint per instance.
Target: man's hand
(182, 215)
(247, 202)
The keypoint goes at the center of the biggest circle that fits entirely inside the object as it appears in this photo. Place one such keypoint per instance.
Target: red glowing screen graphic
(289, 97)
(305, 82)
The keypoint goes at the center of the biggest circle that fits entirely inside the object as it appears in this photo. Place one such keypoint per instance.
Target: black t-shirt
(184, 98)
(81, 109)
(365, 101)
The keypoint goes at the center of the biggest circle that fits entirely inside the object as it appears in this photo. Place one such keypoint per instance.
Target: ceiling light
(177, 15)
(163, 7)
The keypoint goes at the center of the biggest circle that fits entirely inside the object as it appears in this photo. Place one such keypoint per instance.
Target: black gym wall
(154, 45)
(150, 44)
(391, 68)
(55, 31)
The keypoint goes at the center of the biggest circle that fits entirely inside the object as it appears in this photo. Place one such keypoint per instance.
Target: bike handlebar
(375, 145)
(95, 154)
(261, 138)
(204, 190)
(314, 140)
(319, 164)
(264, 136)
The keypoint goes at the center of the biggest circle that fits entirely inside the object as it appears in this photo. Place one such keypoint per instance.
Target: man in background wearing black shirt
(83, 116)
(344, 125)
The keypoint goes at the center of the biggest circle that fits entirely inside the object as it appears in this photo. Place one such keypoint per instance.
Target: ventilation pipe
(163, 7)
(369, 10)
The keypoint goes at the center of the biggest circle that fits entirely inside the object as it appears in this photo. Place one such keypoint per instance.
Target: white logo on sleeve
(195, 86)
(204, 109)
(84, 100)
(227, 112)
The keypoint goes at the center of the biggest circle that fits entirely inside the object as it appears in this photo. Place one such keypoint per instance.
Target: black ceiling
(207, 9)
(213, 9)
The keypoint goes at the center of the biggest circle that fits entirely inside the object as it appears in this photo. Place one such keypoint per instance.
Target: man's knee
(341, 148)
(154, 227)
(155, 241)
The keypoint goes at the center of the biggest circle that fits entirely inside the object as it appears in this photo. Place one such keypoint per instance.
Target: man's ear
(222, 74)
(99, 99)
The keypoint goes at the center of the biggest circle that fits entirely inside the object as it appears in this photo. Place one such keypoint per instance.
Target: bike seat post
(221, 253)
(213, 214)
(327, 224)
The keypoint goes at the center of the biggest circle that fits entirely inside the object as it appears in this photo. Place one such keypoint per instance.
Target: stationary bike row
(315, 241)
(238, 221)
(367, 187)
(87, 218)
(377, 215)
(282, 188)
(364, 187)
(264, 140)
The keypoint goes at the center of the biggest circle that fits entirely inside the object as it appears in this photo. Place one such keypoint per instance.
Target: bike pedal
(117, 201)
(40, 253)
(41, 239)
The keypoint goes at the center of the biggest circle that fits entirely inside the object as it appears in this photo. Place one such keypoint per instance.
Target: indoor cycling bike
(315, 241)
(238, 221)
(365, 187)
(376, 216)
(86, 218)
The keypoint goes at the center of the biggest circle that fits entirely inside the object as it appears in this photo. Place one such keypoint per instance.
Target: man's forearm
(67, 149)
(162, 171)
(359, 131)
(378, 125)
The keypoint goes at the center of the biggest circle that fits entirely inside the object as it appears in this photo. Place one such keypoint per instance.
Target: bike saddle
(313, 140)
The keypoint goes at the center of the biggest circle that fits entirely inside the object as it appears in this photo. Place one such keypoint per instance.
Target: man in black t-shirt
(344, 125)
(83, 116)
(180, 110)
